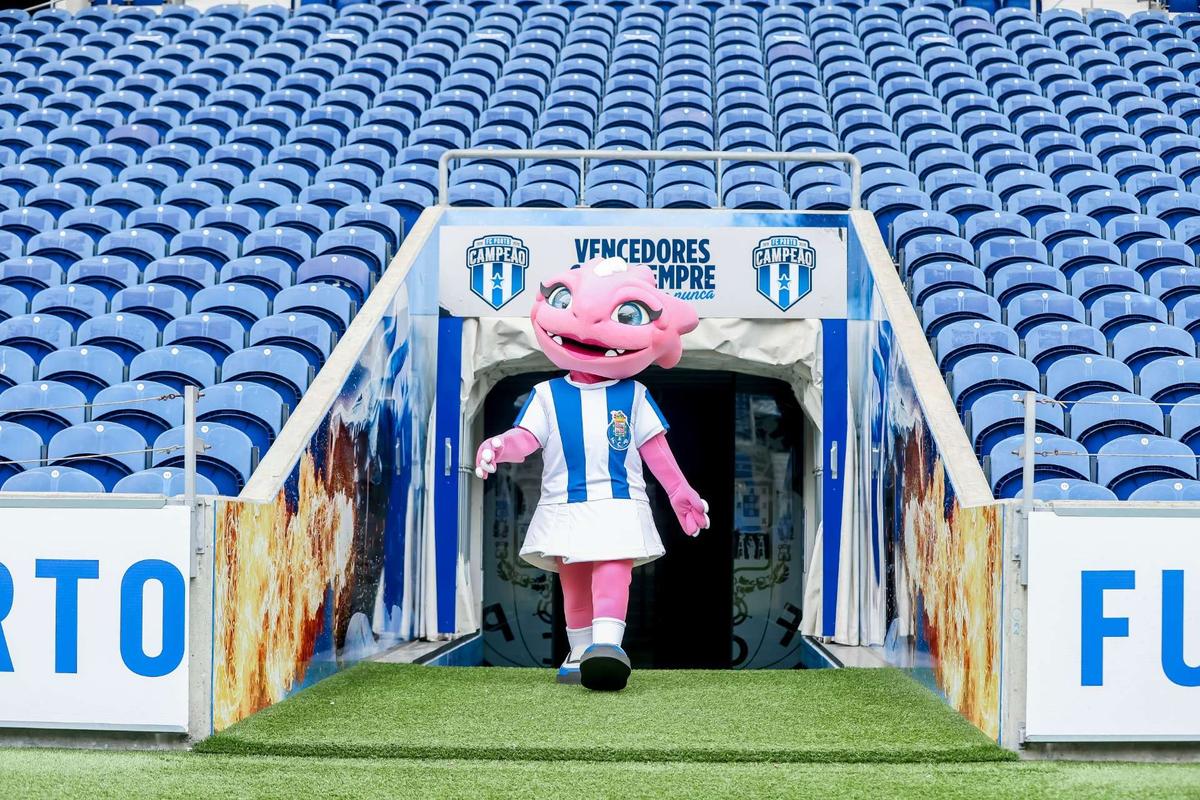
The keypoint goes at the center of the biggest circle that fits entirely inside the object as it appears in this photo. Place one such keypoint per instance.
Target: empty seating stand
(211, 206)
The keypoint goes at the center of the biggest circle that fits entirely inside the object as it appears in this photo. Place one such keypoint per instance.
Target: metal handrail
(719, 156)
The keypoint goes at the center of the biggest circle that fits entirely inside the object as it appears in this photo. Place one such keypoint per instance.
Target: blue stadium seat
(1078, 375)
(125, 334)
(304, 333)
(16, 367)
(1184, 419)
(348, 272)
(930, 278)
(288, 245)
(1097, 280)
(1168, 490)
(1098, 418)
(332, 303)
(167, 481)
(1115, 312)
(1141, 343)
(138, 245)
(999, 252)
(966, 337)
(156, 302)
(70, 302)
(1129, 462)
(1028, 310)
(188, 274)
(1058, 227)
(1000, 414)
(1054, 457)
(20, 449)
(983, 373)
(145, 406)
(935, 247)
(1149, 255)
(53, 479)
(106, 450)
(1015, 279)
(951, 305)
(45, 407)
(244, 303)
(253, 408)
(214, 333)
(175, 365)
(227, 458)
(286, 371)
(268, 274)
(89, 369)
(36, 334)
(1052, 489)
(1170, 380)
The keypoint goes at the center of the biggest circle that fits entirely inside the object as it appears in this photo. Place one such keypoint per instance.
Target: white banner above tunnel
(774, 267)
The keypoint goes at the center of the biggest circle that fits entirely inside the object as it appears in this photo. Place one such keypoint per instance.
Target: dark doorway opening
(727, 598)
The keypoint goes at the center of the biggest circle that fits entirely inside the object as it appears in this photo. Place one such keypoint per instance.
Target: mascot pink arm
(593, 338)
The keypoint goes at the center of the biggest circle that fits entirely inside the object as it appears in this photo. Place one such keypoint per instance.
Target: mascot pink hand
(512, 446)
(690, 509)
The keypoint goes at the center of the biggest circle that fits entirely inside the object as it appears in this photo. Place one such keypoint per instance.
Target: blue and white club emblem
(784, 266)
(497, 265)
(618, 430)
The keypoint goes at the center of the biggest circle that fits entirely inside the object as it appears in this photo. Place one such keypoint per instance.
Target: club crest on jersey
(497, 265)
(783, 267)
(618, 430)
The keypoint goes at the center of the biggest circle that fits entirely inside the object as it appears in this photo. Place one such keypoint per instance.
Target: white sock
(608, 630)
(579, 639)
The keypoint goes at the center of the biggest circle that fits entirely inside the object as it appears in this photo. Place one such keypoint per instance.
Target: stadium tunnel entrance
(763, 384)
(728, 598)
(742, 426)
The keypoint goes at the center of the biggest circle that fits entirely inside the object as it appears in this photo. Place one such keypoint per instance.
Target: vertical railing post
(189, 446)
(720, 170)
(582, 182)
(855, 185)
(1028, 443)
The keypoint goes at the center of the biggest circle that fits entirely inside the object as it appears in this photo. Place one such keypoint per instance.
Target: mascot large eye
(632, 313)
(559, 297)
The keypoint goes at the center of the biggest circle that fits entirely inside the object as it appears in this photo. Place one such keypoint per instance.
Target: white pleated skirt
(595, 530)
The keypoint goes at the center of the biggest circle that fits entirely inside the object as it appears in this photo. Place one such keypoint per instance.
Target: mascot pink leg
(604, 323)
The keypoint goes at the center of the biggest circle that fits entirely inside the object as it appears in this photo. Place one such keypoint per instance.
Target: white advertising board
(750, 272)
(1113, 628)
(94, 618)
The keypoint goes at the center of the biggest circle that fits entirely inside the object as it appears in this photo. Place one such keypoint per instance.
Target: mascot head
(609, 318)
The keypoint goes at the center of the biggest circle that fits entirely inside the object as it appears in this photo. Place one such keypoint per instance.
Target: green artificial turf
(99, 775)
(402, 711)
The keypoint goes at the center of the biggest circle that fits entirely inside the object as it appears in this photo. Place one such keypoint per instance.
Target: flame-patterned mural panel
(321, 576)
(927, 569)
(946, 561)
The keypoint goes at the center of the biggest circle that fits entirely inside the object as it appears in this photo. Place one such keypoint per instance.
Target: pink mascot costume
(604, 323)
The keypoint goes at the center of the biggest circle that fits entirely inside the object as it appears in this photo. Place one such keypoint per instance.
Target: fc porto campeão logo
(497, 265)
(783, 267)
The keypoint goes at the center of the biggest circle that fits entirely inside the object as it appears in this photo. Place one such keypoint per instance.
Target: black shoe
(604, 668)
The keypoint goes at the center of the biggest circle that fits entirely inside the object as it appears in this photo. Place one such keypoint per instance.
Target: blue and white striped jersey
(589, 435)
